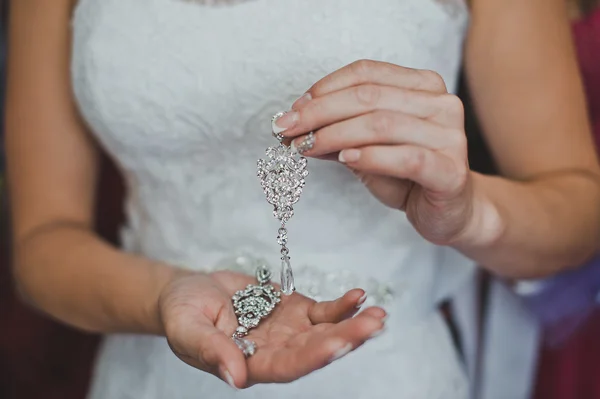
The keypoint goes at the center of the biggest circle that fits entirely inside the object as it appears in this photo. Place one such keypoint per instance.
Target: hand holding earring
(298, 336)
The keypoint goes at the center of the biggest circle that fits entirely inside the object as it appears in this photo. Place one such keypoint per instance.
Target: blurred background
(43, 359)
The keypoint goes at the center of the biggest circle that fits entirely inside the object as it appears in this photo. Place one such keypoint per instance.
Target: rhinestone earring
(282, 176)
(254, 303)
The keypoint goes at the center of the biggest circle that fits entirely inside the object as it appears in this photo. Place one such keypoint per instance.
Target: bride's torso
(181, 95)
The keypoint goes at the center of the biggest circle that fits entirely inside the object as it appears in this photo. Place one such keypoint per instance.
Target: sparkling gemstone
(287, 277)
(246, 346)
(291, 163)
(294, 179)
(281, 152)
(272, 166)
(271, 152)
(282, 239)
(270, 179)
(248, 322)
(283, 214)
(283, 200)
(263, 274)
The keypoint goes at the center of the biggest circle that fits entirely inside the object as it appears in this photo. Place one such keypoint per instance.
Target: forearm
(69, 273)
(534, 228)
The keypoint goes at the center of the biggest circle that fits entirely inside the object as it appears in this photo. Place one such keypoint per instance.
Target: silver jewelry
(251, 305)
(282, 179)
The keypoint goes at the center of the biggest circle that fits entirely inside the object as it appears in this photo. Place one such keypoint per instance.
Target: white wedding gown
(181, 95)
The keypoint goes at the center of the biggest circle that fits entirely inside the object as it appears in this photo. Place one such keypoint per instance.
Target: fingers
(432, 170)
(384, 127)
(321, 346)
(329, 345)
(443, 109)
(338, 310)
(358, 329)
(380, 73)
(220, 350)
(202, 345)
(376, 312)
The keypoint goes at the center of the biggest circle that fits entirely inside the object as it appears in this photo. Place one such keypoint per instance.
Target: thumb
(218, 349)
(210, 349)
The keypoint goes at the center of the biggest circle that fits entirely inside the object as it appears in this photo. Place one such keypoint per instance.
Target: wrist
(486, 225)
(166, 277)
(163, 276)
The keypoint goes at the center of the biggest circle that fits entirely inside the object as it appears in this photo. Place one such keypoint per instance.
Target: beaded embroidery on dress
(181, 94)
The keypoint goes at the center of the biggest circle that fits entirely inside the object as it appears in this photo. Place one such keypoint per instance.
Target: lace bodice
(181, 94)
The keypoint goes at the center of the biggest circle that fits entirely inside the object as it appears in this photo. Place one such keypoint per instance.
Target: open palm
(300, 336)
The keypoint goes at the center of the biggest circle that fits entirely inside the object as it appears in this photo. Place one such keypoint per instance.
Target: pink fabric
(587, 41)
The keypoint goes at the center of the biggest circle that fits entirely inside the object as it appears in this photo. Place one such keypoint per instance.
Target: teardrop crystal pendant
(282, 176)
(247, 347)
(287, 277)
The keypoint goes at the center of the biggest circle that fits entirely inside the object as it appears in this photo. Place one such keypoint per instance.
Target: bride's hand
(300, 336)
(401, 133)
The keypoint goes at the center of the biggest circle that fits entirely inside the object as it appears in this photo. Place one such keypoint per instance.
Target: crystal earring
(251, 305)
(282, 176)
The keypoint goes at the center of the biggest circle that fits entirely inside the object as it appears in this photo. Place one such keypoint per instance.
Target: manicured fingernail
(350, 155)
(305, 144)
(343, 351)
(361, 300)
(377, 333)
(384, 319)
(302, 101)
(229, 379)
(283, 123)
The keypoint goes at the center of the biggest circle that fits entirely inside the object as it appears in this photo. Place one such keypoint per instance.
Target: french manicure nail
(350, 155)
(361, 300)
(229, 379)
(343, 351)
(377, 333)
(288, 120)
(276, 129)
(306, 97)
(293, 147)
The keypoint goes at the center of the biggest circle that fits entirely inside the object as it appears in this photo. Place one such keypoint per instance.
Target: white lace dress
(181, 95)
